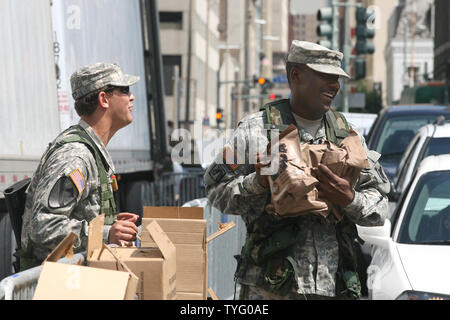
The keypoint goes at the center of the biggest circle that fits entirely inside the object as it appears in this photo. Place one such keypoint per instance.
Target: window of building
(169, 63)
(171, 20)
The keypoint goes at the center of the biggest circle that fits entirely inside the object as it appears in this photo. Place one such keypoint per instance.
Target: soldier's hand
(127, 216)
(262, 179)
(124, 229)
(333, 188)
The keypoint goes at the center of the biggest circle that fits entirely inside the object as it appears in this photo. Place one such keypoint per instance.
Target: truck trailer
(43, 43)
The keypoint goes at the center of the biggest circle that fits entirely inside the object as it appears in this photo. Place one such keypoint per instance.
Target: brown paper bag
(293, 188)
(356, 155)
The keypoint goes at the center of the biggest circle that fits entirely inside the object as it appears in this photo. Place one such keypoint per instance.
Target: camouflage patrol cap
(92, 77)
(317, 57)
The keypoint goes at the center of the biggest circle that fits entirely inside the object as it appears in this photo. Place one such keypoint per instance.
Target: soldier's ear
(296, 75)
(103, 100)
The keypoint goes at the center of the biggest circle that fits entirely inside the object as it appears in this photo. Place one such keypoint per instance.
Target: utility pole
(412, 71)
(347, 53)
(176, 71)
(207, 58)
(155, 64)
(246, 49)
(335, 26)
(189, 61)
(346, 45)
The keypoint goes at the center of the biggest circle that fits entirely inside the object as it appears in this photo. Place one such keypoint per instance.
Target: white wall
(415, 56)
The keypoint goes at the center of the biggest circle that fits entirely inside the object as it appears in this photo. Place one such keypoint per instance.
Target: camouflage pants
(257, 293)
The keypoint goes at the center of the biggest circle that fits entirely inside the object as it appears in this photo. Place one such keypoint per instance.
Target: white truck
(42, 43)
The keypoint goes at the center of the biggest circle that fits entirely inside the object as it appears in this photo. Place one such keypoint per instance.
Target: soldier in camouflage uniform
(309, 256)
(74, 180)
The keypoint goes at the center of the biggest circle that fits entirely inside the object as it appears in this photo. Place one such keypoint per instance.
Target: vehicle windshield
(398, 133)
(437, 146)
(427, 218)
(431, 147)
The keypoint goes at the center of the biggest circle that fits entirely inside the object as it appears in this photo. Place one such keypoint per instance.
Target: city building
(221, 46)
(238, 58)
(376, 68)
(250, 47)
(441, 39)
(410, 52)
(190, 52)
(304, 27)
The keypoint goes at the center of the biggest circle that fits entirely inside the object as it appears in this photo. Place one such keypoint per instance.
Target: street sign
(280, 79)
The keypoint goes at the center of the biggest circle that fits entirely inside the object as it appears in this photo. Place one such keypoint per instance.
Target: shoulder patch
(230, 158)
(217, 172)
(340, 123)
(275, 116)
(78, 179)
(63, 193)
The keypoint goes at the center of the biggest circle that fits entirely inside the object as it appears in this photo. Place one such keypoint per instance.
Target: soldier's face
(121, 104)
(314, 92)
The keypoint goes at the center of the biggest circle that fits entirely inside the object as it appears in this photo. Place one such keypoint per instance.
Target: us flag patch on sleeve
(78, 180)
(230, 158)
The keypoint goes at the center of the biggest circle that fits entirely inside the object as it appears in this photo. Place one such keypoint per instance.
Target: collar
(320, 136)
(90, 131)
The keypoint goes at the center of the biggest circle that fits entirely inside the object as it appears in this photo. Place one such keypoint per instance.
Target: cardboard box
(155, 266)
(59, 281)
(186, 228)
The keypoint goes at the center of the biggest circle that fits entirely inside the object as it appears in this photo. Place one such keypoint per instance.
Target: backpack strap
(278, 115)
(78, 134)
(336, 126)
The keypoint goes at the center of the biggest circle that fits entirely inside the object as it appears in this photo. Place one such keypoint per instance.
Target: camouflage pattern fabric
(98, 75)
(317, 57)
(234, 189)
(256, 293)
(63, 196)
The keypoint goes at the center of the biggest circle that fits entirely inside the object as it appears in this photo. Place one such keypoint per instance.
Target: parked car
(431, 139)
(394, 129)
(362, 121)
(411, 259)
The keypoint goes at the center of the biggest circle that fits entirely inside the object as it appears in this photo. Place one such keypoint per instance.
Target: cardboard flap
(124, 266)
(212, 294)
(60, 281)
(95, 238)
(161, 239)
(173, 212)
(64, 248)
(223, 228)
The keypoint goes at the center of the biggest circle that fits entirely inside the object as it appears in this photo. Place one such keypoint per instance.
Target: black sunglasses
(124, 90)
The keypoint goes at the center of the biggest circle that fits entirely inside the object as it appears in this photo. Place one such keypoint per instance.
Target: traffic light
(274, 96)
(363, 32)
(326, 29)
(360, 68)
(219, 116)
(263, 83)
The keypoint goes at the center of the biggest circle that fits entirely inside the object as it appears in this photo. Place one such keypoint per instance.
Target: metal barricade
(21, 285)
(221, 261)
(221, 250)
(174, 189)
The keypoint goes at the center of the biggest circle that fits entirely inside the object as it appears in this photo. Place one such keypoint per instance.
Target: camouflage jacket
(63, 196)
(234, 189)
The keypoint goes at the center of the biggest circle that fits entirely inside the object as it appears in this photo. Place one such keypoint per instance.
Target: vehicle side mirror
(393, 194)
(379, 236)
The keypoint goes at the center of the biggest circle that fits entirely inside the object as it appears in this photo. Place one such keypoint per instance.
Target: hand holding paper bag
(294, 188)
